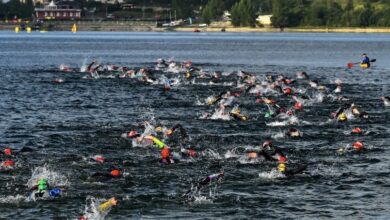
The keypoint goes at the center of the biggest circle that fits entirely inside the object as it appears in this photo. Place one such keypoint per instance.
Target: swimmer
(357, 146)
(294, 133)
(236, 114)
(41, 190)
(112, 174)
(273, 152)
(205, 182)
(283, 169)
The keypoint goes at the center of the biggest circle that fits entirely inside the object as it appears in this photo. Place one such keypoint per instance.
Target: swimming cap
(115, 173)
(42, 184)
(298, 106)
(169, 132)
(7, 151)
(321, 87)
(55, 192)
(191, 153)
(158, 129)
(282, 167)
(266, 143)
(113, 201)
(165, 153)
(342, 117)
(8, 163)
(282, 159)
(357, 130)
(267, 115)
(252, 155)
(99, 158)
(287, 91)
(358, 145)
(132, 134)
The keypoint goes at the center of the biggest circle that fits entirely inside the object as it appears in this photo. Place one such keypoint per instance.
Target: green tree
(213, 10)
(244, 13)
(182, 8)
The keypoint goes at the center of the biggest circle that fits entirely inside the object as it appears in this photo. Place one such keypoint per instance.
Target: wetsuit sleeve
(104, 206)
(158, 142)
(279, 151)
(298, 170)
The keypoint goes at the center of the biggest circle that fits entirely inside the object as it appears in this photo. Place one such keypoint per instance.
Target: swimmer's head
(132, 134)
(282, 167)
(8, 151)
(115, 173)
(165, 152)
(358, 145)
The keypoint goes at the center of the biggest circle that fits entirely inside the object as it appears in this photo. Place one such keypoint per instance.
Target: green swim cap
(267, 115)
(42, 184)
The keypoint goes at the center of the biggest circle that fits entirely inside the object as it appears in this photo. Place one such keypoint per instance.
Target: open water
(65, 124)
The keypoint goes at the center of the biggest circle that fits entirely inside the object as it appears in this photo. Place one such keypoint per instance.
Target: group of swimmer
(278, 97)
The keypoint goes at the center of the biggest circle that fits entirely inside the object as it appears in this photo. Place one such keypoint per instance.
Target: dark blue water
(66, 123)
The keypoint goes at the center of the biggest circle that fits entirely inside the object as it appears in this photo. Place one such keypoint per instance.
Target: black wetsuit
(291, 172)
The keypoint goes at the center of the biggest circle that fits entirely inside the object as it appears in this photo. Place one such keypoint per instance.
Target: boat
(364, 65)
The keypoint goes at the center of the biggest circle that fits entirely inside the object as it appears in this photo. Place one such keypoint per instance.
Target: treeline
(16, 9)
(331, 13)
(286, 13)
(290, 13)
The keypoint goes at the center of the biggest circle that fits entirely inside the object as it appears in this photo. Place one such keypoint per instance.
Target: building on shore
(62, 11)
(264, 20)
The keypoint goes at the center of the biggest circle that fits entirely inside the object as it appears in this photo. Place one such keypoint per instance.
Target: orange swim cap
(282, 159)
(115, 173)
(358, 145)
(298, 106)
(7, 151)
(357, 130)
(165, 152)
(8, 163)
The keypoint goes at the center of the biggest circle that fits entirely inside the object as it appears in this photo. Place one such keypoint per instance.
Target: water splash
(91, 209)
(54, 178)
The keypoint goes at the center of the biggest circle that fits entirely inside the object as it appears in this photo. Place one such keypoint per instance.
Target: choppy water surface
(64, 124)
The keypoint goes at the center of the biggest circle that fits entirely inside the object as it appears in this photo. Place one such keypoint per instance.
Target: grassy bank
(214, 27)
(298, 29)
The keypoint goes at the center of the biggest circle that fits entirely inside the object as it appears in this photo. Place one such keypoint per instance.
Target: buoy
(74, 28)
(17, 29)
(28, 29)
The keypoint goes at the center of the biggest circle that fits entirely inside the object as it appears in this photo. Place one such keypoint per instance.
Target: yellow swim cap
(342, 117)
(282, 167)
(159, 129)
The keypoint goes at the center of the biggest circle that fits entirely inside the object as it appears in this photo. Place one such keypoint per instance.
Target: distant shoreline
(132, 26)
(297, 29)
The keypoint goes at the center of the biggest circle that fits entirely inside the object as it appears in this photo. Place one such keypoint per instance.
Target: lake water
(65, 124)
